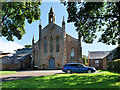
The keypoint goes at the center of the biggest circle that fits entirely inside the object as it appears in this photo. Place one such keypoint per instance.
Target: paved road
(28, 74)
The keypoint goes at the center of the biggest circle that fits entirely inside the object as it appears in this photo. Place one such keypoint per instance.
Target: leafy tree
(92, 17)
(28, 46)
(14, 15)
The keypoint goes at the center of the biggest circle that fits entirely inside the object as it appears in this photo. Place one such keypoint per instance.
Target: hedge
(114, 65)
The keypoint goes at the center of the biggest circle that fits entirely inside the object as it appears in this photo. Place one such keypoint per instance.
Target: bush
(114, 65)
(84, 60)
(117, 53)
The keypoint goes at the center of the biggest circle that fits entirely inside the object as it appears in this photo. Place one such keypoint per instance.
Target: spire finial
(51, 9)
(63, 19)
(40, 26)
(33, 39)
(63, 22)
(40, 21)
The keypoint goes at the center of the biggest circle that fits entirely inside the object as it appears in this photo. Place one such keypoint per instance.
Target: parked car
(77, 68)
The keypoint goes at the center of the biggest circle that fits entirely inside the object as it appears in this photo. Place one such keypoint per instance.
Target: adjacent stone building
(99, 59)
(24, 55)
(55, 47)
(9, 63)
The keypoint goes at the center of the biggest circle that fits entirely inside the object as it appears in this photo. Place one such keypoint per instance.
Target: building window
(45, 45)
(57, 44)
(96, 63)
(51, 44)
(72, 54)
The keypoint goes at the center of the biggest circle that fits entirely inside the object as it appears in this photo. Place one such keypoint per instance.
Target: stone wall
(72, 43)
(11, 66)
(26, 63)
(102, 63)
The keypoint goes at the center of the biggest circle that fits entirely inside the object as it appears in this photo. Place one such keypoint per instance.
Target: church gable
(52, 26)
(72, 38)
(51, 29)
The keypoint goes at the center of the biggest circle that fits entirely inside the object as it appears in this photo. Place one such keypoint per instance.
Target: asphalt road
(28, 74)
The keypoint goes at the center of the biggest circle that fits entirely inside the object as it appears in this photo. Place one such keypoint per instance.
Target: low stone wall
(11, 66)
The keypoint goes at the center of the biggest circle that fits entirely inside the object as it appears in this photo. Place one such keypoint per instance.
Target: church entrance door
(51, 63)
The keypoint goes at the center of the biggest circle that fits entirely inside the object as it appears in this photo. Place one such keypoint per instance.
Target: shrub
(84, 60)
(117, 53)
(114, 65)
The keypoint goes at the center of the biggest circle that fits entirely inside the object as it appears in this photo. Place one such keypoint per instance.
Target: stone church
(55, 47)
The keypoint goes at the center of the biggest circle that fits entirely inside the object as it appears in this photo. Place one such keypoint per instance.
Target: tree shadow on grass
(72, 81)
(15, 78)
(76, 81)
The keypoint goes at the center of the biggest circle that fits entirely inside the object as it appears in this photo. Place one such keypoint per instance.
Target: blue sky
(33, 29)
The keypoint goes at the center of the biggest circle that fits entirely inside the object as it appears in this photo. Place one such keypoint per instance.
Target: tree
(14, 15)
(28, 46)
(92, 17)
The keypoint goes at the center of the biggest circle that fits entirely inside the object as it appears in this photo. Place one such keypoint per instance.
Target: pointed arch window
(57, 44)
(51, 44)
(45, 45)
(72, 54)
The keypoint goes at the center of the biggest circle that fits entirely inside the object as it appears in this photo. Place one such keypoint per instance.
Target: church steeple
(51, 16)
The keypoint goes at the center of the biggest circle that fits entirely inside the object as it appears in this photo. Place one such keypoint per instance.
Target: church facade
(55, 47)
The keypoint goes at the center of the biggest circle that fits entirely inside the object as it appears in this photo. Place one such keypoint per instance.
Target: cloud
(9, 46)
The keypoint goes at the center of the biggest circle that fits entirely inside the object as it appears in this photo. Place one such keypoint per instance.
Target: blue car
(77, 68)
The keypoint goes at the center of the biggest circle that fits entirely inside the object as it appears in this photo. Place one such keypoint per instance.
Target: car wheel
(89, 71)
(69, 71)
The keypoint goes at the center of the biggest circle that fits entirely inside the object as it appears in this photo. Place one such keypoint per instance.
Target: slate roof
(21, 59)
(98, 54)
(9, 60)
(24, 49)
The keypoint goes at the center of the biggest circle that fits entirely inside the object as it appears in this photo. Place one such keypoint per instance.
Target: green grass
(104, 79)
(6, 72)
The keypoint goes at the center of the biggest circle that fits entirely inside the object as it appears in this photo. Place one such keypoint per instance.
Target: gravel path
(29, 74)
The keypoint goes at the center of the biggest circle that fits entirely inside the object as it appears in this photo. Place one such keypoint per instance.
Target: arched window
(57, 44)
(45, 45)
(51, 44)
(72, 54)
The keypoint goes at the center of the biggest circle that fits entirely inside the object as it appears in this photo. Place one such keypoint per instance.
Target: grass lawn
(104, 79)
(6, 72)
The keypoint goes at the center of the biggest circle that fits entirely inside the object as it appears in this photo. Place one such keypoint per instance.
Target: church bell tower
(51, 16)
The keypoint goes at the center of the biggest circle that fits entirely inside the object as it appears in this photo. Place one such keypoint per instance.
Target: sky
(33, 29)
